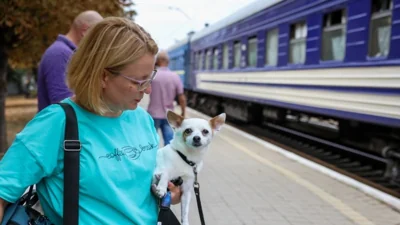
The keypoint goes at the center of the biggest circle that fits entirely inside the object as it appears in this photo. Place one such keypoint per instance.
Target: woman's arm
(33, 154)
(3, 205)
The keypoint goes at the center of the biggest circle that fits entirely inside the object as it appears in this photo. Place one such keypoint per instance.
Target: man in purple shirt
(52, 68)
(164, 88)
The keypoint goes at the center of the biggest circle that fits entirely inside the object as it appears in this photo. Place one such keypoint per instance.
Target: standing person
(109, 74)
(51, 77)
(164, 90)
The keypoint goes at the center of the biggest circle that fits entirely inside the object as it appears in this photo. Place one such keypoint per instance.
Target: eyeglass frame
(139, 82)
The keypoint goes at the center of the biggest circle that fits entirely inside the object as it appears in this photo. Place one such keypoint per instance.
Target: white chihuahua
(184, 155)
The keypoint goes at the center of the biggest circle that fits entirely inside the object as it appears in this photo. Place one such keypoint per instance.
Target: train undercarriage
(374, 139)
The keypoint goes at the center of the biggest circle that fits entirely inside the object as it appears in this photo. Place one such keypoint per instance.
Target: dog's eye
(205, 132)
(188, 131)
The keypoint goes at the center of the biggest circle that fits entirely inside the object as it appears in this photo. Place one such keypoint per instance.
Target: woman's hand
(175, 193)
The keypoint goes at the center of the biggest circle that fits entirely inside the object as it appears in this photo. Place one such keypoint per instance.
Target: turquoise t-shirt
(117, 160)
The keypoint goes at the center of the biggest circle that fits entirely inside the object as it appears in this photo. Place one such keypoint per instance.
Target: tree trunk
(3, 93)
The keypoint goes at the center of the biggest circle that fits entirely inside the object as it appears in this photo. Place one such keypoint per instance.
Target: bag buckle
(72, 145)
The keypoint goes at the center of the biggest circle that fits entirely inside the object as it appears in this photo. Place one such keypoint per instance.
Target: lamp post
(188, 57)
(179, 10)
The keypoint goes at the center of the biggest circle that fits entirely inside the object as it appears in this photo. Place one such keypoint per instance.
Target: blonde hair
(110, 45)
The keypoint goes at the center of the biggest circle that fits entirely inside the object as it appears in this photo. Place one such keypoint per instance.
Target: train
(329, 64)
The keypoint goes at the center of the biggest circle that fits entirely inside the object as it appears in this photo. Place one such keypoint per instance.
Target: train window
(215, 59)
(180, 63)
(200, 62)
(271, 54)
(298, 35)
(252, 52)
(237, 54)
(196, 61)
(334, 35)
(208, 59)
(225, 59)
(380, 28)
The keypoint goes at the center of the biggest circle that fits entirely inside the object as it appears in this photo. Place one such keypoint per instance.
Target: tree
(28, 27)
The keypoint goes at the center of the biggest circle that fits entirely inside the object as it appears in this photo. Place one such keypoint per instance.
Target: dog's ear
(174, 119)
(217, 122)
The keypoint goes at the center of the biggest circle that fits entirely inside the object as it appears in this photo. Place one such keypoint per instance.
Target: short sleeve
(34, 154)
(153, 128)
(179, 85)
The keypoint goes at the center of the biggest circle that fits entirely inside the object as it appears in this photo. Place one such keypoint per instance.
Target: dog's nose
(196, 139)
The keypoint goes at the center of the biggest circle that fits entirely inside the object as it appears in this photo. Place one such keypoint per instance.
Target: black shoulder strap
(72, 148)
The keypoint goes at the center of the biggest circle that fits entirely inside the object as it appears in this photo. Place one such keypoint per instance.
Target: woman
(109, 73)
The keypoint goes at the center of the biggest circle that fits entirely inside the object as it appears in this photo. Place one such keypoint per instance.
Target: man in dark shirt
(52, 68)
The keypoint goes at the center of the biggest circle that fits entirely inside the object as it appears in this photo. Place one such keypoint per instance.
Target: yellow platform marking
(335, 202)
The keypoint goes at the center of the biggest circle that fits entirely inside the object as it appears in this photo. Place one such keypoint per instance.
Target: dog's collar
(184, 158)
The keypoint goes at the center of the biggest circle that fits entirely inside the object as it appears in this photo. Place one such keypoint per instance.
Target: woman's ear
(104, 79)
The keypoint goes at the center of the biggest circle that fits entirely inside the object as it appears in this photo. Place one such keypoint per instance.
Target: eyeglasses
(141, 84)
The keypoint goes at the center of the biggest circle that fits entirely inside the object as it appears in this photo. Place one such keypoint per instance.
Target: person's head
(162, 59)
(82, 23)
(112, 60)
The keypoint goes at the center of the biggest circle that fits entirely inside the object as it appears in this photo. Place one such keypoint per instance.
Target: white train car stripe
(382, 77)
(382, 105)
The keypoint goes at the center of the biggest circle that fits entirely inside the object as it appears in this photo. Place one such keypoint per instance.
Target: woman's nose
(148, 90)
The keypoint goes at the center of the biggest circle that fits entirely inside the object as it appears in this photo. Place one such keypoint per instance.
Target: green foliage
(15, 74)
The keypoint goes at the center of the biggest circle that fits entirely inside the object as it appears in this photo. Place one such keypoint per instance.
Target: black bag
(22, 212)
(165, 215)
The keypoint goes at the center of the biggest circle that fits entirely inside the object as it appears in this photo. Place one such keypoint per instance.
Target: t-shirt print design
(129, 152)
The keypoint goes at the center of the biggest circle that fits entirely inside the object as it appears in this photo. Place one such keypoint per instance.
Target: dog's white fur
(171, 166)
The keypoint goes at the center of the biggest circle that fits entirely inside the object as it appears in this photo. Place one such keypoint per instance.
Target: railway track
(360, 165)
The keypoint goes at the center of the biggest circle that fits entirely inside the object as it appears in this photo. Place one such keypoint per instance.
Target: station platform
(248, 181)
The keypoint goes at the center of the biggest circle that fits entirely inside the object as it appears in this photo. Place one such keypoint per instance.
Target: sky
(171, 20)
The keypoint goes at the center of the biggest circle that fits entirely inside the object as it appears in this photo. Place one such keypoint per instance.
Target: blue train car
(335, 60)
(179, 60)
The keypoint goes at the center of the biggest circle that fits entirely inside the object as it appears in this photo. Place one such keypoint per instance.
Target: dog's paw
(161, 193)
(158, 191)
(156, 178)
